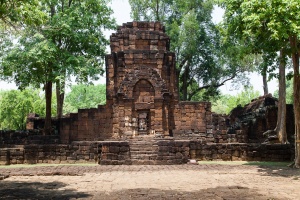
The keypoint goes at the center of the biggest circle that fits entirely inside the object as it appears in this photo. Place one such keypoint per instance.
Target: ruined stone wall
(257, 117)
(87, 124)
(77, 152)
(193, 119)
(10, 138)
(167, 152)
(221, 132)
(241, 152)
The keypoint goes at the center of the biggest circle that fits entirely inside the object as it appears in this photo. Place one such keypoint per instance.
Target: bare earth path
(205, 181)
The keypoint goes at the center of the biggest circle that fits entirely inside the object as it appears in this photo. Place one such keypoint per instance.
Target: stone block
(114, 149)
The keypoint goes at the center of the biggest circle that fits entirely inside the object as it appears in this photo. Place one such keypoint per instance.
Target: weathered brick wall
(240, 151)
(77, 152)
(115, 153)
(168, 152)
(172, 152)
(221, 132)
(87, 124)
(10, 138)
(193, 119)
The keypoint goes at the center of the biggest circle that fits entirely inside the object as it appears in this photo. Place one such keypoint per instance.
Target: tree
(268, 64)
(196, 42)
(226, 103)
(85, 96)
(289, 92)
(14, 13)
(277, 23)
(16, 104)
(69, 42)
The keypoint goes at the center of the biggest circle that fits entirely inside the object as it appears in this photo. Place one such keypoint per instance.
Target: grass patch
(46, 165)
(255, 163)
(267, 163)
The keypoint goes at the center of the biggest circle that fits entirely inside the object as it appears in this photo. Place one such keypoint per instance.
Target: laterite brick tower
(141, 92)
(141, 80)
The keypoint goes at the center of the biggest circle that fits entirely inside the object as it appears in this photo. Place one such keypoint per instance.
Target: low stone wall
(173, 152)
(11, 137)
(115, 153)
(77, 152)
(167, 152)
(241, 152)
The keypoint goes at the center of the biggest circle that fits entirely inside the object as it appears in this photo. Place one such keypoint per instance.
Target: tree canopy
(14, 13)
(226, 103)
(204, 62)
(276, 25)
(15, 106)
(84, 96)
(69, 42)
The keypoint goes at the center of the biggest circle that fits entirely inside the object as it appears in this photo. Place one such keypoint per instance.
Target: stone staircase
(143, 150)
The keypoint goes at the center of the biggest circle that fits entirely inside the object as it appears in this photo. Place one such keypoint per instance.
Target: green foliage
(16, 104)
(289, 92)
(268, 23)
(226, 103)
(14, 13)
(280, 18)
(85, 96)
(265, 26)
(196, 41)
(69, 42)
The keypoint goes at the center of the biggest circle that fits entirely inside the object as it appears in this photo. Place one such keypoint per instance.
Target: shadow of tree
(37, 190)
(277, 169)
(280, 171)
(218, 193)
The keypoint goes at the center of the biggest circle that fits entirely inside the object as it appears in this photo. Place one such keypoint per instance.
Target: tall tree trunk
(185, 83)
(157, 11)
(281, 119)
(296, 84)
(280, 129)
(265, 82)
(60, 96)
(48, 96)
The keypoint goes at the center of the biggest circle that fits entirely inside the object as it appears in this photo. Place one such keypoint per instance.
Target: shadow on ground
(218, 193)
(276, 169)
(38, 190)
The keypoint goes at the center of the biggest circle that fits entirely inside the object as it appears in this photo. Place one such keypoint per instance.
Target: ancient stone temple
(143, 121)
(142, 91)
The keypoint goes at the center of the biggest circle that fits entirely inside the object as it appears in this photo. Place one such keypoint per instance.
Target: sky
(122, 9)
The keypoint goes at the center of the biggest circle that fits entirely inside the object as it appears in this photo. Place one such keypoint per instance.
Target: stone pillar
(158, 125)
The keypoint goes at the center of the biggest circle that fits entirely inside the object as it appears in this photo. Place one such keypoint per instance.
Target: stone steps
(143, 148)
(144, 157)
(143, 151)
(143, 162)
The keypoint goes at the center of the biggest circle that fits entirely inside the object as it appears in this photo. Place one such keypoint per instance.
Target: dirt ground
(204, 181)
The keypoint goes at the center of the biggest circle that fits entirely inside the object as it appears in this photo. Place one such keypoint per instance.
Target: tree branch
(208, 86)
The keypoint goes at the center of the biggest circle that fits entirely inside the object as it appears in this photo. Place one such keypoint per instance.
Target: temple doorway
(143, 102)
(143, 122)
